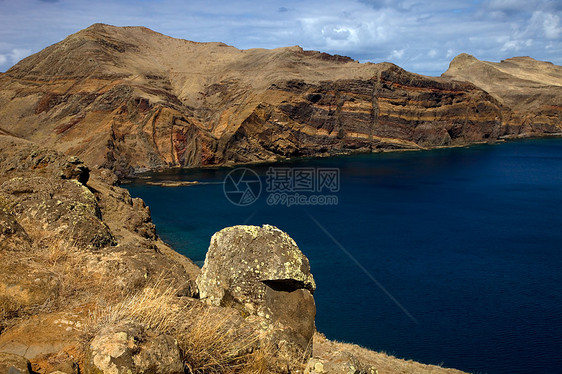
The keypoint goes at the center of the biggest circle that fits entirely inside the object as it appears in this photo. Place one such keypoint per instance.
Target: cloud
(397, 54)
(14, 56)
(337, 32)
(551, 26)
(18, 53)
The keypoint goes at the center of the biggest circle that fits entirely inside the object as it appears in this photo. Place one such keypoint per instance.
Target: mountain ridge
(532, 85)
(132, 99)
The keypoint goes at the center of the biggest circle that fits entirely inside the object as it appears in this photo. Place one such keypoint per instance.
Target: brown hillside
(531, 88)
(131, 99)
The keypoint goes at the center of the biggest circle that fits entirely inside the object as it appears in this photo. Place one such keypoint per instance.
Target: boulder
(74, 168)
(14, 364)
(56, 209)
(129, 348)
(262, 272)
(12, 236)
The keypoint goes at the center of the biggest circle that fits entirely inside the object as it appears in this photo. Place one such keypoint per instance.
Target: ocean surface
(450, 257)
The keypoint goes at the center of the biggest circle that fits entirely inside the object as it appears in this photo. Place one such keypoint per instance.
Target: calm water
(467, 241)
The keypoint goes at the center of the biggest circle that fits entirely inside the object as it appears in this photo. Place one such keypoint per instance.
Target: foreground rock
(131, 99)
(14, 364)
(69, 239)
(262, 272)
(128, 348)
(341, 358)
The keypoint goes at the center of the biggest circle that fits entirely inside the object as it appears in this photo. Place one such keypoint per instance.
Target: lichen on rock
(262, 272)
(129, 348)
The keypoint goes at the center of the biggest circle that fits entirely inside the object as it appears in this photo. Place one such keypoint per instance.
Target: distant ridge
(132, 99)
(522, 83)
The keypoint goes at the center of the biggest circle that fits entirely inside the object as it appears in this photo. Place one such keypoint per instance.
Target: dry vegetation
(211, 340)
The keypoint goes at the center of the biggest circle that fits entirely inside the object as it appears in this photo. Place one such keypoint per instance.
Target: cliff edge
(131, 99)
(531, 89)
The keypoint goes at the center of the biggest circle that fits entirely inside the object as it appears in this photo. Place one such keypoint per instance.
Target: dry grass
(76, 282)
(210, 339)
(10, 308)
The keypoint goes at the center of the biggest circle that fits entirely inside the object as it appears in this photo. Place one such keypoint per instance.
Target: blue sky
(420, 36)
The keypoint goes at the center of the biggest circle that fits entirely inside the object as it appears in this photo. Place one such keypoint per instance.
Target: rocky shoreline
(87, 287)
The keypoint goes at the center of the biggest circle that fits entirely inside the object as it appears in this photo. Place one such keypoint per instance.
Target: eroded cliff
(130, 99)
(531, 89)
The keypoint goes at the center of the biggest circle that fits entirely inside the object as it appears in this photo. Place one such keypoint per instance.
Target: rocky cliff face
(531, 89)
(130, 99)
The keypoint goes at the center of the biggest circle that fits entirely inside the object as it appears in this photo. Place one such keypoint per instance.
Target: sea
(450, 257)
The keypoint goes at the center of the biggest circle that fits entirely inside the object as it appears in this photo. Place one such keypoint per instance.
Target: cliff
(531, 89)
(130, 99)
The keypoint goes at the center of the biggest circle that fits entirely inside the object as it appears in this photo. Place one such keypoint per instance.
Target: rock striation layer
(531, 89)
(130, 99)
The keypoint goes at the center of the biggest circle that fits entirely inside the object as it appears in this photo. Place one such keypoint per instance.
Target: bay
(450, 256)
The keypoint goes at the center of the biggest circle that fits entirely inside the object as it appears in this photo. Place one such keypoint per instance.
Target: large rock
(262, 272)
(57, 209)
(128, 348)
(13, 364)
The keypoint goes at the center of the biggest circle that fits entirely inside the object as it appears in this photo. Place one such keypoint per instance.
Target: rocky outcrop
(14, 364)
(127, 348)
(341, 358)
(130, 99)
(70, 239)
(531, 89)
(261, 272)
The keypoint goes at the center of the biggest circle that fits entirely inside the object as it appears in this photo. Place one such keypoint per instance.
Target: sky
(422, 36)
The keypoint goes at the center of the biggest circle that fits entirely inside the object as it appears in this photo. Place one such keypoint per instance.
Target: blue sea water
(450, 257)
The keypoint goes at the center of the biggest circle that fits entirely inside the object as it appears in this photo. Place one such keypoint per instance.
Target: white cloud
(397, 54)
(551, 25)
(19, 53)
(13, 56)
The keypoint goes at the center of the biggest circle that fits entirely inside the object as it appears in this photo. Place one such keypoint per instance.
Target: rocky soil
(86, 286)
(130, 99)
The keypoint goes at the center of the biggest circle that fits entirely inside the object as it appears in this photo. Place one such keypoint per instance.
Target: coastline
(145, 173)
